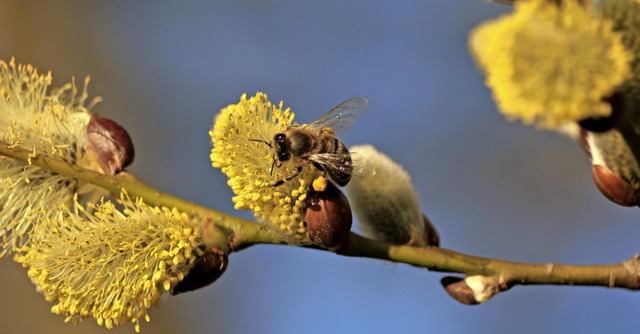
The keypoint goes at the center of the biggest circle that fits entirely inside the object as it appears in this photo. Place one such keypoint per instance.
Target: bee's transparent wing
(344, 162)
(342, 117)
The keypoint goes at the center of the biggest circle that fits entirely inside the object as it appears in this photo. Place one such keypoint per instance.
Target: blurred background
(493, 188)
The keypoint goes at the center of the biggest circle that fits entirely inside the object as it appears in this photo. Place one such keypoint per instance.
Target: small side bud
(206, 271)
(458, 290)
(472, 290)
(386, 203)
(110, 143)
(328, 217)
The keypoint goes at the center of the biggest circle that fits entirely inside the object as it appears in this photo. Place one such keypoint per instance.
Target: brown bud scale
(206, 271)
(614, 187)
(458, 289)
(111, 144)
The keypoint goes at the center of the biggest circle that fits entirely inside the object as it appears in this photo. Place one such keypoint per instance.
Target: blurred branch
(244, 233)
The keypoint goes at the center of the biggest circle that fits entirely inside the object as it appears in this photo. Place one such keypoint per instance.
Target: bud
(328, 217)
(615, 167)
(613, 144)
(458, 290)
(206, 271)
(110, 143)
(472, 290)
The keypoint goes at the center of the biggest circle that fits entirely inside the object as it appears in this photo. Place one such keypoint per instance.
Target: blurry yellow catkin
(549, 64)
(625, 15)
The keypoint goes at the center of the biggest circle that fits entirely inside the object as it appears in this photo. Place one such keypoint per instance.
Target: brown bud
(328, 217)
(614, 187)
(459, 290)
(206, 271)
(111, 144)
(473, 290)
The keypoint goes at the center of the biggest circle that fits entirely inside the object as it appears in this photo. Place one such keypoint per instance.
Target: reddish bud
(328, 217)
(111, 144)
(614, 187)
(459, 290)
(206, 271)
(473, 290)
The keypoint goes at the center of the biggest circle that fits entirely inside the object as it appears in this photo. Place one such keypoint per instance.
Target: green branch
(621, 275)
(245, 233)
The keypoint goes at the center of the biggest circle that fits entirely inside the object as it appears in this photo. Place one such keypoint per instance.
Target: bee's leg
(288, 178)
(275, 163)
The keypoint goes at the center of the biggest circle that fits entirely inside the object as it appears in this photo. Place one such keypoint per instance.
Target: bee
(317, 143)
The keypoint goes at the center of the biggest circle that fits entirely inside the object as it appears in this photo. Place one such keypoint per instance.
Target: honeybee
(317, 143)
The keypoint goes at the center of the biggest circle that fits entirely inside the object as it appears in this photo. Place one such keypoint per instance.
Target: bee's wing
(342, 117)
(344, 162)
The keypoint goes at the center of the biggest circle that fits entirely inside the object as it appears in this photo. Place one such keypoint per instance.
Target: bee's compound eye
(280, 138)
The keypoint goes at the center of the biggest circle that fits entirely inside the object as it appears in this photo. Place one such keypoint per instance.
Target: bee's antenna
(268, 144)
(261, 141)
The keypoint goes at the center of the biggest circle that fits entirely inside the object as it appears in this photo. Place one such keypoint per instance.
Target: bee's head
(281, 147)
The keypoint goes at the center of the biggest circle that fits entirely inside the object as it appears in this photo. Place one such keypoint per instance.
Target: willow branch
(244, 233)
(625, 274)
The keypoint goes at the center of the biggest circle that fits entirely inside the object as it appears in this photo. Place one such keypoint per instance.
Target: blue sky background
(491, 187)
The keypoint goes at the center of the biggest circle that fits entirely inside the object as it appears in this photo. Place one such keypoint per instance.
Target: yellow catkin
(111, 264)
(43, 120)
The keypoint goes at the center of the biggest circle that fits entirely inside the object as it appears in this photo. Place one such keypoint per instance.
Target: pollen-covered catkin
(386, 203)
(46, 121)
(248, 163)
(111, 264)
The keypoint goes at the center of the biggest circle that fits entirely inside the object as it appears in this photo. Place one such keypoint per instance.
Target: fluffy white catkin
(385, 203)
